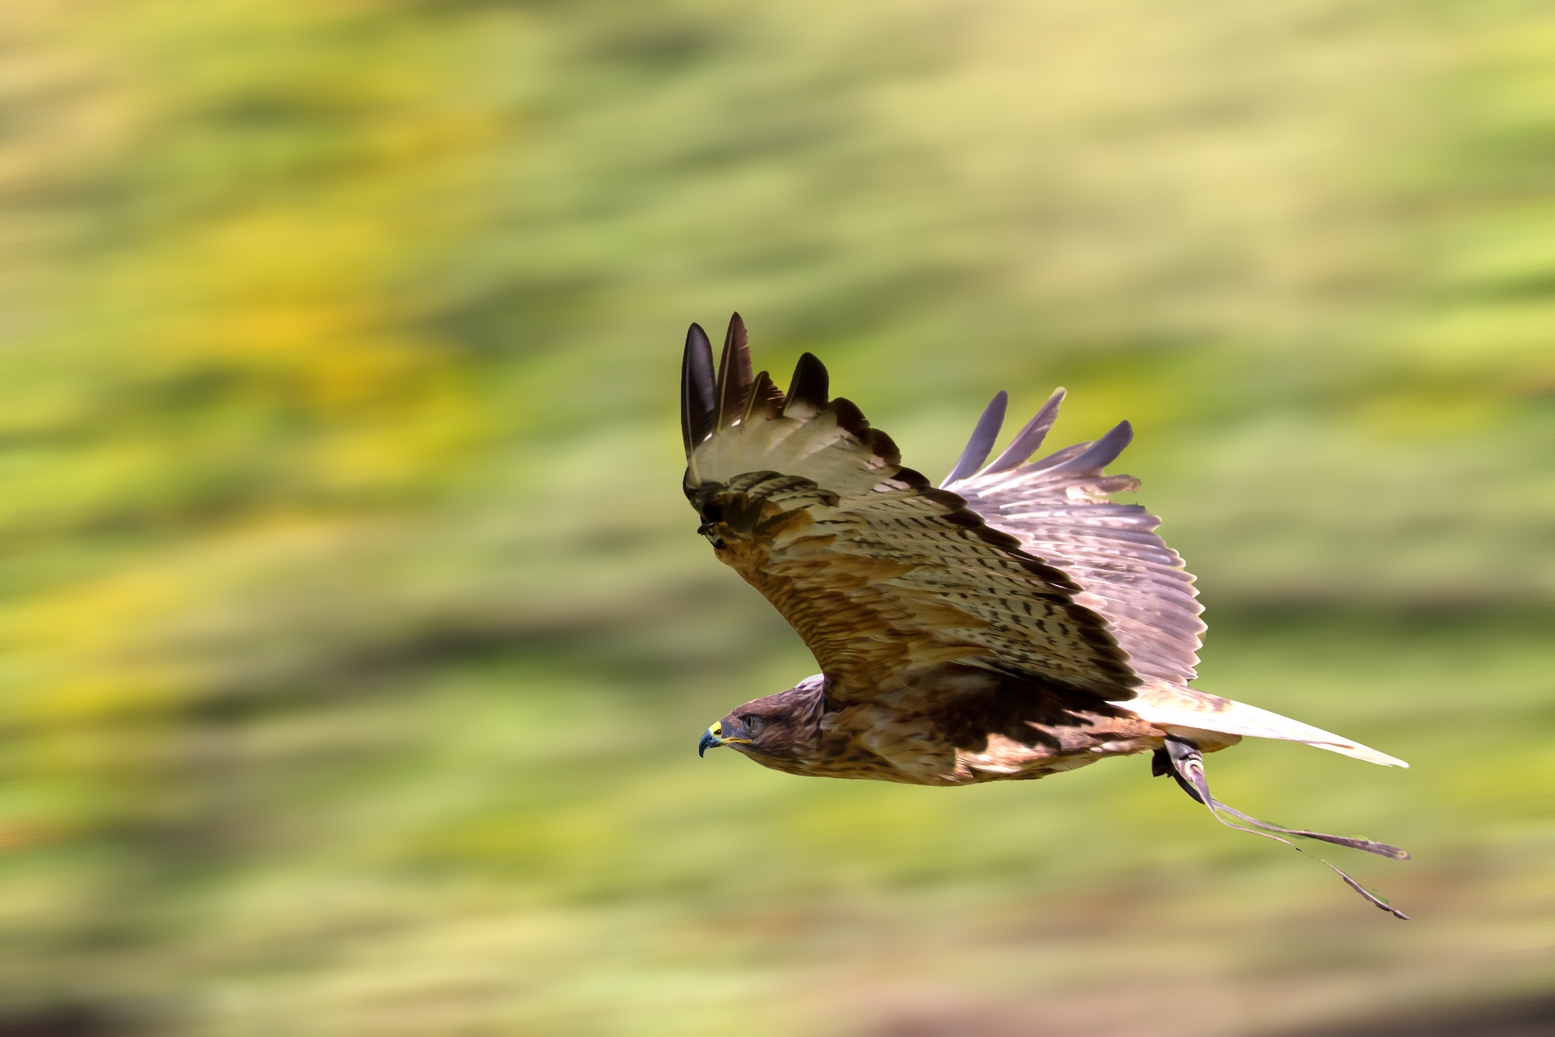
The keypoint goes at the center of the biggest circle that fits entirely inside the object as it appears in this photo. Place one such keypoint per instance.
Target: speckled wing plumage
(880, 573)
(1060, 509)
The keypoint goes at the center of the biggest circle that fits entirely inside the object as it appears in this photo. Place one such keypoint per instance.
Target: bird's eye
(752, 723)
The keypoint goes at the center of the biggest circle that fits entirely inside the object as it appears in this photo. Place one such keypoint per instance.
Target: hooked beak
(712, 738)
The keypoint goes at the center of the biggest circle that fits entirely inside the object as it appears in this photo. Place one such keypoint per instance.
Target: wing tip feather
(807, 391)
(851, 420)
(984, 435)
(697, 387)
(734, 382)
(1030, 437)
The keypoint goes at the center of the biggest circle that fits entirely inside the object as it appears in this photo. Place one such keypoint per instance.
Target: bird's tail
(1187, 711)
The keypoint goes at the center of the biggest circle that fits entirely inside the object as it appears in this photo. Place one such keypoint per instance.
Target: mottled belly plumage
(868, 743)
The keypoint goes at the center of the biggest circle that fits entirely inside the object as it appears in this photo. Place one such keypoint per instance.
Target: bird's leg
(1182, 760)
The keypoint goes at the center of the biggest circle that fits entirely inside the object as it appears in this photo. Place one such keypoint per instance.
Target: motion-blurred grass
(356, 637)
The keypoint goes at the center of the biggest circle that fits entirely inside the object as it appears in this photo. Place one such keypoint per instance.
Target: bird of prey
(1011, 623)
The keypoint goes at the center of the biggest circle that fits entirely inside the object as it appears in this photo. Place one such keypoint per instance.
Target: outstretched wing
(1060, 510)
(879, 572)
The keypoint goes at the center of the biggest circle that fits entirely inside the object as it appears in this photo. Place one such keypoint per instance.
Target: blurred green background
(357, 638)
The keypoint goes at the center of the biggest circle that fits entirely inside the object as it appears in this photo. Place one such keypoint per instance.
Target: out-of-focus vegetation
(356, 639)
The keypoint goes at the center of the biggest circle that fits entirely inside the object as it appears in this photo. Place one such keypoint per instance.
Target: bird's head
(775, 730)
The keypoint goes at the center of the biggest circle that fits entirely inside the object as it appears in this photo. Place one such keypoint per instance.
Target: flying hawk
(1011, 623)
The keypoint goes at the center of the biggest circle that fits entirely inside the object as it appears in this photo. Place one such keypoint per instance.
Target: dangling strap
(1185, 763)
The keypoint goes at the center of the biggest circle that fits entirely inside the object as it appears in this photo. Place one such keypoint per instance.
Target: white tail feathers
(1185, 709)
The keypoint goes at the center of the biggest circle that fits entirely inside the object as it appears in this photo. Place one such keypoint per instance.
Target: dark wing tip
(697, 386)
(982, 441)
(732, 391)
(886, 449)
(850, 419)
(809, 388)
(766, 398)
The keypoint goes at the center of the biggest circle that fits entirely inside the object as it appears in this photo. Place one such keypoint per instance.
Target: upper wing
(1059, 509)
(879, 572)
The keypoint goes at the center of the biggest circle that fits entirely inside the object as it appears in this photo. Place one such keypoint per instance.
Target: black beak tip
(707, 742)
